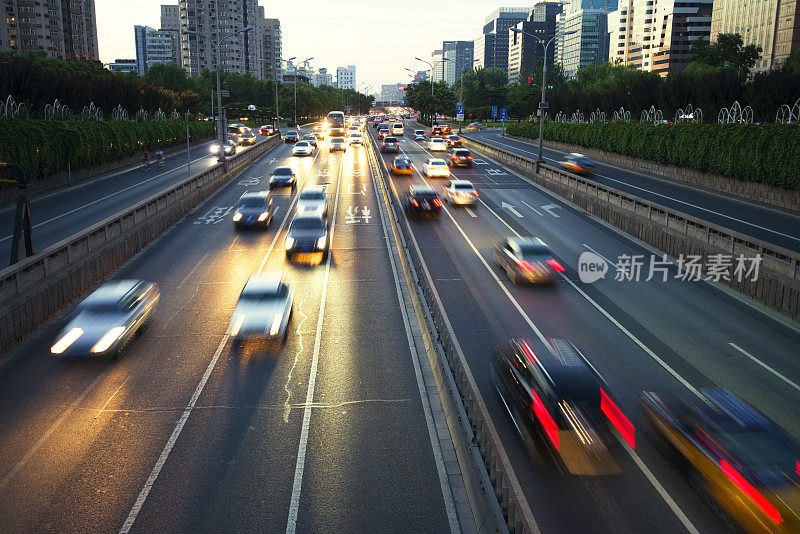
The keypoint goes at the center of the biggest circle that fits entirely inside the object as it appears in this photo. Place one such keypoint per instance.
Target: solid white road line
(531, 207)
(765, 366)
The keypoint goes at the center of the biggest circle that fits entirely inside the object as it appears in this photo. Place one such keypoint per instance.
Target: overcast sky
(379, 38)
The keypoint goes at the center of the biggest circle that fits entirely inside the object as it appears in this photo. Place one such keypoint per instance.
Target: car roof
(301, 143)
(110, 292)
(268, 282)
(255, 194)
(313, 189)
(461, 182)
(437, 139)
(422, 189)
(390, 138)
(440, 161)
(302, 216)
(528, 241)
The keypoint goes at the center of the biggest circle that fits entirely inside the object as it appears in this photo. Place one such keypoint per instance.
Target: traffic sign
(543, 105)
(503, 114)
(460, 116)
(460, 108)
(225, 93)
(494, 111)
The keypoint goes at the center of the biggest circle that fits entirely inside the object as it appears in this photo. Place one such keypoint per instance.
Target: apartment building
(525, 48)
(588, 45)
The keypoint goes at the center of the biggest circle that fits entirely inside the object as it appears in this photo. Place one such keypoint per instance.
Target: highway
(669, 336)
(775, 226)
(330, 433)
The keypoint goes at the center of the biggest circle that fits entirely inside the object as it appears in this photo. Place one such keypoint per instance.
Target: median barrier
(37, 288)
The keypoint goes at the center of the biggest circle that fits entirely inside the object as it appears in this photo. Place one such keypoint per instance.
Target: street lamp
(543, 103)
(304, 62)
(217, 44)
(461, 92)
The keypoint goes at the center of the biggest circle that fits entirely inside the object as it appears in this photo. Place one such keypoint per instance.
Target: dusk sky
(380, 38)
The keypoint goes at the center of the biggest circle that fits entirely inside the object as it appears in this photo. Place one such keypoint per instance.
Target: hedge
(44, 147)
(765, 153)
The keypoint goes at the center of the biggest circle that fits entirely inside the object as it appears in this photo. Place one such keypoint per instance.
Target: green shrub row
(765, 153)
(43, 147)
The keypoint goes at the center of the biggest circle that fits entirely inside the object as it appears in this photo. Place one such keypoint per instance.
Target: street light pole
(217, 45)
(277, 109)
(305, 61)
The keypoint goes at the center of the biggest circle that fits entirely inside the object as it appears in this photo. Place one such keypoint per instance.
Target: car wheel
(325, 255)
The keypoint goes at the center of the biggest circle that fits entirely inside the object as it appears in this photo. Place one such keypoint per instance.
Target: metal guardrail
(510, 507)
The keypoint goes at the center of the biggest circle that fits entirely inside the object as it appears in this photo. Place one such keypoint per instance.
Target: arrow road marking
(549, 209)
(509, 207)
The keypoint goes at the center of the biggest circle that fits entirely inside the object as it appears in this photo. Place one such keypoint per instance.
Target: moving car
(398, 129)
(459, 157)
(229, 148)
(421, 200)
(437, 144)
(735, 455)
(560, 404)
(263, 310)
(355, 139)
(474, 126)
(266, 130)
(311, 139)
(402, 165)
(453, 141)
(527, 259)
(108, 319)
(319, 132)
(247, 138)
(302, 148)
(307, 234)
(338, 143)
(437, 130)
(435, 168)
(460, 192)
(390, 144)
(282, 177)
(578, 164)
(419, 135)
(383, 132)
(254, 209)
(291, 137)
(312, 200)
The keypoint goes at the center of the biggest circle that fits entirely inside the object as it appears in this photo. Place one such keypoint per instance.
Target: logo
(591, 267)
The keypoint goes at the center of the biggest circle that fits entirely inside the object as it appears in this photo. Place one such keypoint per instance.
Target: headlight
(237, 324)
(271, 179)
(69, 338)
(320, 209)
(321, 242)
(289, 242)
(214, 148)
(301, 208)
(108, 339)
(263, 216)
(276, 324)
(237, 216)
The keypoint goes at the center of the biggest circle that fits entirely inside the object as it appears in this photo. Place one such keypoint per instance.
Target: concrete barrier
(37, 288)
(673, 232)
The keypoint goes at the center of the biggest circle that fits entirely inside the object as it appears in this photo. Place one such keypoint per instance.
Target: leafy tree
(728, 49)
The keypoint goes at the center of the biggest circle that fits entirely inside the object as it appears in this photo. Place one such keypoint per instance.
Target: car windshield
(391, 140)
(309, 137)
(308, 223)
(254, 202)
(583, 162)
(420, 132)
(461, 153)
(438, 162)
(466, 187)
(302, 144)
(337, 140)
(261, 295)
(312, 195)
(437, 140)
(282, 171)
(425, 195)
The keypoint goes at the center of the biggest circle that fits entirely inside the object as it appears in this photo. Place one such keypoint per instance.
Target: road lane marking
(765, 366)
(471, 213)
(287, 407)
(512, 209)
(609, 262)
(531, 207)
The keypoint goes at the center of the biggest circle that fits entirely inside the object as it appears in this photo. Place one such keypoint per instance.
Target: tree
(792, 64)
(169, 76)
(728, 49)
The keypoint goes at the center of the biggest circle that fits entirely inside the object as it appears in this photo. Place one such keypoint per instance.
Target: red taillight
(438, 204)
(751, 492)
(528, 351)
(414, 202)
(524, 265)
(615, 415)
(555, 265)
(469, 157)
(550, 427)
(475, 193)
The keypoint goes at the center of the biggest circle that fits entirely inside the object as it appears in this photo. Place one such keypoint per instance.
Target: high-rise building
(656, 35)
(494, 50)
(437, 60)
(61, 28)
(774, 25)
(154, 47)
(322, 77)
(346, 77)
(393, 93)
(272, 48)
(589, 44)
(123, 66)
(458, 56)
(420, 76)
(524, 51)
(170, 17)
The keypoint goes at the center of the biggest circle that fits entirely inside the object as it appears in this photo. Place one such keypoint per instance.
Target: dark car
(291, 137)
(402, 165)
(254, 209)
(560, 403)
(453, 141)
(282, 177)
(741, 459)
(578, 164)
(307, 234)
(437, 130)
(527, 259)
(459, 157)
(390, 144)
(421, 201)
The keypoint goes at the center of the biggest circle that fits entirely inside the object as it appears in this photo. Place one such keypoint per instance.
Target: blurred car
(376, 122)
(108, 319)
(402, 165)
(282, 177)
(460, 192)
(307, 234)
(291, 137)
(560, 403)
(474, 126)
(302, 148)
(383, 132)
(229, 148)
(398, 129)
(735, 455)
(419, 135)
(311, 139)
(266, 130)
(319, 132)
(453, 141)
(421, 200)
(263, 310)
(312, 200)
(437, 144)
(253, 209)
(390, 144)
(527, 259)
(459, 157)
(435, 168)
(578, 164)
(355, 139)
(437, 130)
(248, 138)
(338, 143)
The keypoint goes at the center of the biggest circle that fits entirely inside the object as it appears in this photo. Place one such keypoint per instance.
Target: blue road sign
(503, 115)
(494, 111)
(460, 108)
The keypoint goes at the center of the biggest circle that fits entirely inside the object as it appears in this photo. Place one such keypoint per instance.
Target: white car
(338, 143)
(264, 309)
(302, 148)
(398, 129)
(437, 144)
(312, 200)
(435, 167)
(460, 192)
(355, 139)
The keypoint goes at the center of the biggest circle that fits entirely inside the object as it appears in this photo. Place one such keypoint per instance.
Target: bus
(335, 122)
